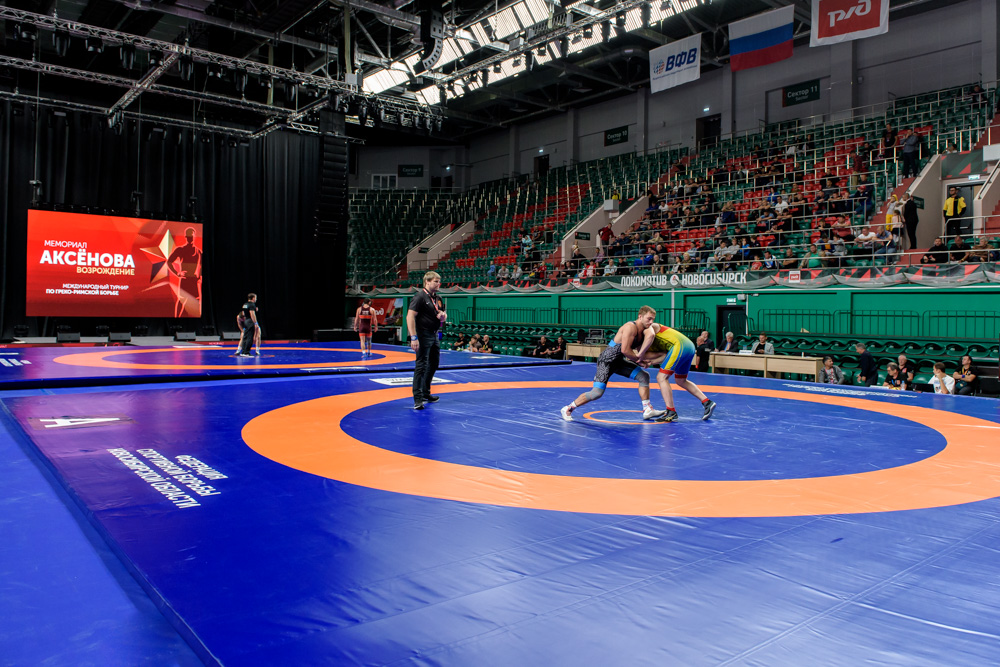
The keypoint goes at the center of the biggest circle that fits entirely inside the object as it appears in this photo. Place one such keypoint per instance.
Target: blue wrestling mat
(321, 520)
(77, 366)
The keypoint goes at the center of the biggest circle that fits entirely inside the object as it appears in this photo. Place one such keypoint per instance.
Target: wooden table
(772, 365)
(583, 350)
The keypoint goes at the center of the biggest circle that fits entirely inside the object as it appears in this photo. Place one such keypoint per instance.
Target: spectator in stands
(605, 234)
(936, 254)
(831, 374)
(476, 344)
(889, 137)
(868, 367)
(770, 263)
(911, 153)
(461, 342)
(966, 378)
(981, 251)
(492, 272)
(762, 345)
(526, 243)
(657, 266)
(610, 268)
(685, 264)
(487, 346)
(893, 378)
(910, 219)
(976, 97)
(942, 382)
(866, 241)
(577, 259)
(517, 273)
(950, 149)
(885, 244)
(907, 369)
(812, 259)
(504, 272)
(729, 345)
(959, 251)
(841, 228)
(954, 207)
(543, 347)
(704, 345)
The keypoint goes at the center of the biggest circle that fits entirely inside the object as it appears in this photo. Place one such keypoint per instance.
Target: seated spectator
(461, 343)
(492, 272)
(842, 227)
(610, 268)
(868, 373)
(831, 374)
(893, 378)
(487, 345)
(503, 273)
(866, 241)
(557, 350)
(966, 378)
(949, 149)
(542, 349)
(936, 254)
(518, 272)
(981, 251)
(885, 244)
(770, 262)
(942, 382)
(907, 369)
(729, 345)
(476, 344)
(762, 345)
(959, 251)
(812, 259)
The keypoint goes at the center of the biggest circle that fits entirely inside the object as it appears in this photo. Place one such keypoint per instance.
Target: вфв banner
(104, 266)
(835, 21)
(675, 63)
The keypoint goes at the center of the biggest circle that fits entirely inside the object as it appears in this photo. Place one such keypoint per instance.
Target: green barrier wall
(904, 312)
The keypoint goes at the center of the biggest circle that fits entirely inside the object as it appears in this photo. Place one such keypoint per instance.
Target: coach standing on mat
(423, 320)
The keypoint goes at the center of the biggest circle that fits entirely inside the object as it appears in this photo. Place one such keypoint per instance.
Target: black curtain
(255, 198)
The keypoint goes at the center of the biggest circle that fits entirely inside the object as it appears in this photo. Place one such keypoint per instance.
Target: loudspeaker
(20, 330)
(119, 337)
(187, 336)
(68, 337)
(230, 335)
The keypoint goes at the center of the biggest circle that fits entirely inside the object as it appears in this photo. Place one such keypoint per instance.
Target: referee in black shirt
(423, 320)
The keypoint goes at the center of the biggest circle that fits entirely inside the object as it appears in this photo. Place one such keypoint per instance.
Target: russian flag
(762, 39)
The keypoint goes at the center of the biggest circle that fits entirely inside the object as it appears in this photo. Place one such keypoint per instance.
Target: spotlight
(541, 50)
(215, 70)
(95, 45)
(620, 19)
(438, 124)
(606, 31)
(26, 32)
(232, 142)
(517, 61)
(588, 32)
(186, 68)
(265, 81)
(206, 137)
(240, 80)
(156, 58)
(497, 68)
(363, 114)
(128, 56)
(60, 40)
(289, 88)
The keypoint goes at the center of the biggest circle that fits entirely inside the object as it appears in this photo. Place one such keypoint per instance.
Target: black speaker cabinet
(125, 337)
(184, 336)
(230, 335)
(68, 337)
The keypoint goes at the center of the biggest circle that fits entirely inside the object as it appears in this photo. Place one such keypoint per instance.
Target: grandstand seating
(386, 224)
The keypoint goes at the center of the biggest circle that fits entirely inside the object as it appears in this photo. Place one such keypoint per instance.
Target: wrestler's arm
(647, 340)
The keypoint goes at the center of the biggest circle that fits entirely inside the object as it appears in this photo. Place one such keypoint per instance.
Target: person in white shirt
(942, 383)
(781, 205)
(866, 239)
(610, 269)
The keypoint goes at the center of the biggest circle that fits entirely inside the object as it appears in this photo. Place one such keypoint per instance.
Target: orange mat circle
(307, 436)
(639, 422)
(100, 359)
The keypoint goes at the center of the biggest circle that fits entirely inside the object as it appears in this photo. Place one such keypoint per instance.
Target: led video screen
(106, 266)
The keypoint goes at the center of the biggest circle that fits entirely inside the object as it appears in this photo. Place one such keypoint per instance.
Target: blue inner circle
(748, 437)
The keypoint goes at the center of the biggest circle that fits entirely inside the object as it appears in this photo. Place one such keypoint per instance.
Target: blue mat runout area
(322, 520)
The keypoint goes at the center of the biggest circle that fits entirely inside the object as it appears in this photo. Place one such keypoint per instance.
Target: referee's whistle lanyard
(437, 311)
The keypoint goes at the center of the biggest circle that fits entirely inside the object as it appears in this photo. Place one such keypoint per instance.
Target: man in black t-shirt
(907, 369)
(423, 319)
(250, 327)
(703, 350)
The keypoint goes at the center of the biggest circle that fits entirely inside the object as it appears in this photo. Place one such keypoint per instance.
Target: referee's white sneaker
(566, 414)
(650, 413)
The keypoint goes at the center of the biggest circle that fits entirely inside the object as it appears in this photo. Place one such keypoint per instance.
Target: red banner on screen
(386, 310)
(104, 266)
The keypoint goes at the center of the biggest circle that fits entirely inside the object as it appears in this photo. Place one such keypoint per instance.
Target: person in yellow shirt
(954, 207)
